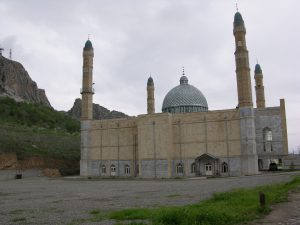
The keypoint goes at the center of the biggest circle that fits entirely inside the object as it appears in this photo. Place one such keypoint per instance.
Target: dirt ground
(64, 200)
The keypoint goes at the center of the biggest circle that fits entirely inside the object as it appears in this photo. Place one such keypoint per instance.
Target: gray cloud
(133, 39)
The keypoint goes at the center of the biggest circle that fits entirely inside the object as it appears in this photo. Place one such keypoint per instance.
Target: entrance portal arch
(207, 165)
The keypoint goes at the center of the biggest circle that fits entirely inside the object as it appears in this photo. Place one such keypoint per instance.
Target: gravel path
(61, 201)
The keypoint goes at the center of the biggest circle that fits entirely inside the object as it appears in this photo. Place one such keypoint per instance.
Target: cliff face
(99, 112)
(16, 83)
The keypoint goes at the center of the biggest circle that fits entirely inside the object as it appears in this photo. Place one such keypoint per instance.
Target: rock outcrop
(99, 112)
(16, 83)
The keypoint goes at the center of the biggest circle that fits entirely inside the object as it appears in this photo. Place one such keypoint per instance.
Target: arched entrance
(207, 165)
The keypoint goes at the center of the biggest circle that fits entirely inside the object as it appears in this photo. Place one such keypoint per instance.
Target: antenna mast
(10, 53)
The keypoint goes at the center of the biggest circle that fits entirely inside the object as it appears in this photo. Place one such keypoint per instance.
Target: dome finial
(88, 36)
(183, 78)
(236, 5)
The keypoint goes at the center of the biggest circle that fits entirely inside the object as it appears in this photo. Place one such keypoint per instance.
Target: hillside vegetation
(35, 130)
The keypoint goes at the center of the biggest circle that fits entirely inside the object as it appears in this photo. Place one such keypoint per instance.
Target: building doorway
(207, 165)
(208, 170)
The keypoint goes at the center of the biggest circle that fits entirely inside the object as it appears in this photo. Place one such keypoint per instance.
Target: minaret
(249, 157)
(87, 90)
(259, 87)
(242, 63)
(150, 96)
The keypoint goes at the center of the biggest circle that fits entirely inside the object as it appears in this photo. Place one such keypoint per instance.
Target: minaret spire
(242, 63)
(150, 96)
(259, 87)
(87, 90)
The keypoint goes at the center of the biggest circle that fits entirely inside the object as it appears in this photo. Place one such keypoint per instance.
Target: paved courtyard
(63, 200)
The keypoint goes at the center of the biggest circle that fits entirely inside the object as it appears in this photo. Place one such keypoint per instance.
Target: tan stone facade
(163, 137)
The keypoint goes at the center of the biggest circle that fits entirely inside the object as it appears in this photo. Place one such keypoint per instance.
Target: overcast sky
(135, 38)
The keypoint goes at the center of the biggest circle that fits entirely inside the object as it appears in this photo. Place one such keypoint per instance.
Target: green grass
(31, 141)
(228, 208)
(17, 211)
(173, 196)
(29, 114)
(132, 214)
(35, 130)
(97, 215)
(19, 219)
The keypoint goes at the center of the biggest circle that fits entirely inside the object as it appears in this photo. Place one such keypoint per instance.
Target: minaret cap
(88, 46)
(150, 81)
(238, 19)
(257, 69)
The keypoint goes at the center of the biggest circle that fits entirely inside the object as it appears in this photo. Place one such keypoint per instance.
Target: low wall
(10, 174)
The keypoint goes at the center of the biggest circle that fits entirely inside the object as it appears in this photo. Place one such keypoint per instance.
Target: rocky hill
(99, 112)
(16, 83)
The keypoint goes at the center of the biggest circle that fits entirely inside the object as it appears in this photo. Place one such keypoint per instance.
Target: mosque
(186, 139)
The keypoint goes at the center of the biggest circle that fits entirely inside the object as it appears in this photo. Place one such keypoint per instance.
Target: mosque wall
(270, 136)
(111, 143)
(152, 145)
(213, 132)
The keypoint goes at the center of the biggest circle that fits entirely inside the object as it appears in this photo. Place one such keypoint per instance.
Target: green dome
(238, 19)
(257, 69)
(88, 45)
(184, 98)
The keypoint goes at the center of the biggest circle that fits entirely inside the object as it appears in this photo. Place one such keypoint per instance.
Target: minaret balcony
(87, 90)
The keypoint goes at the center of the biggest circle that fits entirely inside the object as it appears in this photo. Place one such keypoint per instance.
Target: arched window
(267, 138)
(224, 167)
(179, 168)
(193, 168)
(103, 169)
(127, 169)
(267, 134)
(112, 168)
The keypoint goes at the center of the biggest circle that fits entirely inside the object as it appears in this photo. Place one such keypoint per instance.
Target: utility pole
(10, 53)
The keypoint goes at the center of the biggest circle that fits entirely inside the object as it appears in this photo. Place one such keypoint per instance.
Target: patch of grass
(48, 143)
(132, 223)
(4, 194)
(77, 221)
(19, 219)
(227, 208)
(173, 196)
(94, 212)
(38, 115)
(131, 214)
(97, 215)
(17, 211)
(35, 130)
(57, 201)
